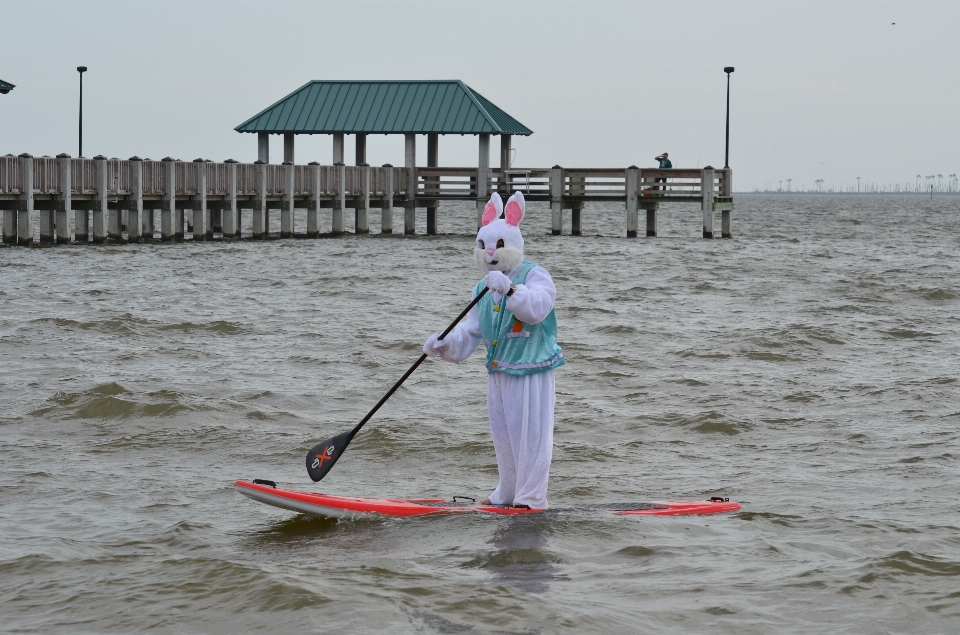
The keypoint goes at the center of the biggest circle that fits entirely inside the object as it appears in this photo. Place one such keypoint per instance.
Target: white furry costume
(520, 406)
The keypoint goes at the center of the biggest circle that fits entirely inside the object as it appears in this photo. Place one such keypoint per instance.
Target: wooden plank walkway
(100, 199)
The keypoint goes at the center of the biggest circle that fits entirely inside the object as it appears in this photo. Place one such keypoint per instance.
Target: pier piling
(168, 214)
(100, 211)
(25, 211)
(651, 210)
(230, 214)
(201, 215)
(707, 191)
(260, 202)
(632, 185)
(135, 200)
(313, 205)
(386, 212)
(286, 213)
(556, 200)
(336, 221)
(64, 200)
(361, 212)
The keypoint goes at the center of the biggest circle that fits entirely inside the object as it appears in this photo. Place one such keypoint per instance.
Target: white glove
(434, 345)
(498, 282)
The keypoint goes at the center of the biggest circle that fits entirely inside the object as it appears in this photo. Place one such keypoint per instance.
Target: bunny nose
(490, 250)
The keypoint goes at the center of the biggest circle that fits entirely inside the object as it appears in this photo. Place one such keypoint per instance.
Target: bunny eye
(500, 243)
(479, 243)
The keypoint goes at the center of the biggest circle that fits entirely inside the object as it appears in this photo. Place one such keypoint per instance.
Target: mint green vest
(513, 347)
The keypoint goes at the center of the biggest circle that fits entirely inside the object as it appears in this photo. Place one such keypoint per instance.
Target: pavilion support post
(168, 216)
(506, 156)
(286, 212)
(313, 209)
(410, 161)
(361, 153)
(337, 147)
(361, 221)
(706, 188)
(201, 218)
(100, 214)
(288, 147)
(263, 147)
(135, 200)
(632, 180)
(230, 214)
(341, 202)
(556, 200)
(576, 219)
(726, 222)
(432, 183)
(483, 175)
(386, 212)
(260, 203)
(64, 199)
(26, 207)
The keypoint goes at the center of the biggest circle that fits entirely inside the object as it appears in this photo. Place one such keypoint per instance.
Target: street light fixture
(81, 70)
(726, 154)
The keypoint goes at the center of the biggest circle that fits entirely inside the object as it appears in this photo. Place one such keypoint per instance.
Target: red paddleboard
(347, 507)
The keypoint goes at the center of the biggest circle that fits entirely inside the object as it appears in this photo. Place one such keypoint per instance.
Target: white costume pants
(521, 420)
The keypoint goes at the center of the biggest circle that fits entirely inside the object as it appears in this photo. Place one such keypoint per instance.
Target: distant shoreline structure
(832, 193)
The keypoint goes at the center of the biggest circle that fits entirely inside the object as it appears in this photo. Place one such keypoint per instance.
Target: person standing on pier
(517, 324)
(665, 164)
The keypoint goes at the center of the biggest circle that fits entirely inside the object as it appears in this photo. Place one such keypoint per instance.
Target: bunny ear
(492, 210)
(515, 208)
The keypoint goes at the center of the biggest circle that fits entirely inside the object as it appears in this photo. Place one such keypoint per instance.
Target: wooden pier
(94, 200)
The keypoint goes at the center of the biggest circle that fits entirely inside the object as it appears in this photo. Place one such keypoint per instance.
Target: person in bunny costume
(516, 322)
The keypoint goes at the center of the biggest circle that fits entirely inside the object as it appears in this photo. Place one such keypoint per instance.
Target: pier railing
(101, 185)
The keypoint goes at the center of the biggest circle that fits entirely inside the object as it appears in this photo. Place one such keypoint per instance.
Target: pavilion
(361, 108)
(5, 87)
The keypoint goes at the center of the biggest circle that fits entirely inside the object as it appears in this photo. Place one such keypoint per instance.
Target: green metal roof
(392, 107)
(5, 87)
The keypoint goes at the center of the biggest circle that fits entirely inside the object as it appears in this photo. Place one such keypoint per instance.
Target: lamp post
(726, 154)
(81, 70)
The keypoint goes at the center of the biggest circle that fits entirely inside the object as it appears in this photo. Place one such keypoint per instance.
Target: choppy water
(808, 368)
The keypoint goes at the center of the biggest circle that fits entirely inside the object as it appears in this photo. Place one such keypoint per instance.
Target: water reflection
(521, 557)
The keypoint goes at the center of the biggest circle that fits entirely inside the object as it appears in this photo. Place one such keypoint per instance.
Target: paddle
(323, 456)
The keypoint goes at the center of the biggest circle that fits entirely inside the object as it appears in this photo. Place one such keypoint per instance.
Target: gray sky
(827, 90)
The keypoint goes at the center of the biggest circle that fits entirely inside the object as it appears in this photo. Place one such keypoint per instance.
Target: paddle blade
(323, 456)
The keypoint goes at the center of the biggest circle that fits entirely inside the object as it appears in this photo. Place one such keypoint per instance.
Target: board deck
(346, 507)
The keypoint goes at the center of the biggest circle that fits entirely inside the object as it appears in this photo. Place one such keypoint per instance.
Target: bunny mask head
(499, 243)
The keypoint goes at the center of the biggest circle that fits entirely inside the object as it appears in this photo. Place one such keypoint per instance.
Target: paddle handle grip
(419, 361)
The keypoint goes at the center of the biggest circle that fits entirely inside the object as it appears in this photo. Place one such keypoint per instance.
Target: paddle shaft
(419, 361)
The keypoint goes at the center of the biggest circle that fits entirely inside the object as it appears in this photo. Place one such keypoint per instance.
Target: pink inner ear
(489, 214)
(514, 213)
